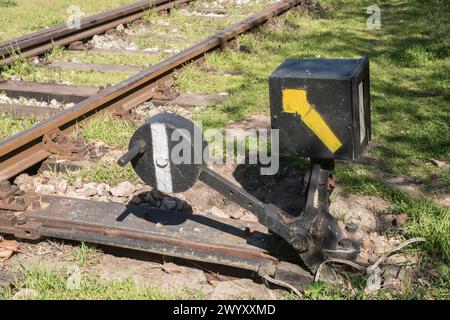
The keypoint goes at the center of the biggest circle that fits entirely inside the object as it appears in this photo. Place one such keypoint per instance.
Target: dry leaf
(7, 248)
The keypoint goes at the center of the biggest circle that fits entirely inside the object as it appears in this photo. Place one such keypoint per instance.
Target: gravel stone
(438, 163)
(238, 214)
(44, 188)
(23, 179)
(216, 212)
(88, 190)
(168, 203)
(249, 217)
(123, 189)
(61, 187)
(25, 294)
(181, 204)
(102, 189)
(78, 183)
(118, 199)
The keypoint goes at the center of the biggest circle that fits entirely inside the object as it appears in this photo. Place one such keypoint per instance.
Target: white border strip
(161, 160)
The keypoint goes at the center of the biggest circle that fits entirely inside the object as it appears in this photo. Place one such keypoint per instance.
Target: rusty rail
(23, 150)
(44, 40)
(182, 235)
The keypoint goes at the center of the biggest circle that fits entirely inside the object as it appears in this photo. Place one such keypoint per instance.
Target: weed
(84, 252)
(8, 3)
(116, 133)
(50, 283)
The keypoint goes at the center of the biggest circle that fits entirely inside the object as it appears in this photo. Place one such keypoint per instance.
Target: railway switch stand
(321, 108)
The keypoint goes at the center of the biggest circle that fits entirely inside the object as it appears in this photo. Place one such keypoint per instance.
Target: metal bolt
(351, 227)
(36, 204)
(301, 243)
(20, 201)
(21, 220)
(5, 185)
(162, 162)
(345, 243)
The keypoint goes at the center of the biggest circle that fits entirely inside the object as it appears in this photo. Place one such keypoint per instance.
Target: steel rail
(23, 150)
(84, 22)
(44, 40)
(247, 246)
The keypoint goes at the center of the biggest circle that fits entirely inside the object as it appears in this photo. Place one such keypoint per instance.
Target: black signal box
(321, 107)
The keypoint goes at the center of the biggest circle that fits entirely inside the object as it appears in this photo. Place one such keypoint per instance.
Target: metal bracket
(227, 44)
(269, 215)
(13, 204)
(20, 226)
(12, 198)
(160, 90)
(81, 46)
(58, 143)
(164, 90)
(315, 234)
(328, 241)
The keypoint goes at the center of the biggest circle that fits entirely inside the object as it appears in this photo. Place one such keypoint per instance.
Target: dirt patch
(366, 220)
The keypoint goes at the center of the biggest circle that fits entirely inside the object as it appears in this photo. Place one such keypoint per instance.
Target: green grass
(115, 133)
(84, 253)
(20, 17)
(425, 218)
(51, 284)
(10, 125)
(103, 171)
(8, 3)
(192, 27)
(24, 69)
(207, 83)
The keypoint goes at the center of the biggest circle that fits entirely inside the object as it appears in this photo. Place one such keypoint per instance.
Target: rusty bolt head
(21, 220)
(20, 201)
(36, 204)
(5, 185)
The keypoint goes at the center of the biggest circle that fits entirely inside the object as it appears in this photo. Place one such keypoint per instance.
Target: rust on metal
(60, 144)
(157, 238)
(14, 199)
(183, 235)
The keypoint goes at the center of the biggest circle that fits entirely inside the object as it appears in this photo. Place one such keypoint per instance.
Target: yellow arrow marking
(296, 101)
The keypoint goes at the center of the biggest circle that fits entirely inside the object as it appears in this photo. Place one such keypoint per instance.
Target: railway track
(50, 138)
(43, 41)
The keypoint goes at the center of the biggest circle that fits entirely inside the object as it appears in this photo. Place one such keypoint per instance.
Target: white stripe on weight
(160, 144)
(362, 125)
